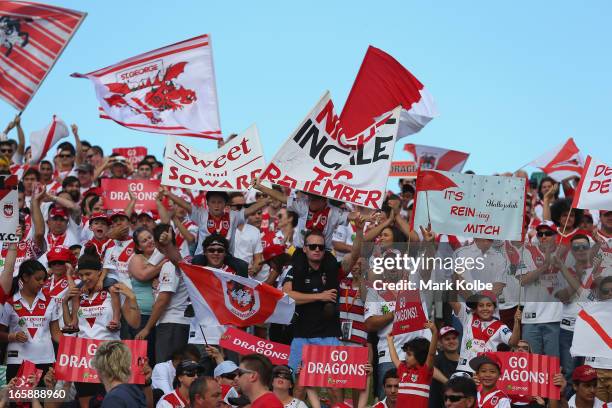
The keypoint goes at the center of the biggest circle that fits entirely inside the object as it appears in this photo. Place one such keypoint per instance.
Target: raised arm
(164, 215)
(77, 143)
(277, 195)
(131, 205)
(433, 345)
(6, 278)
(349, 261)
(549, 197)
(38, 221)
(179, 201)
(20, 136)
(256, 206)
(392, 351)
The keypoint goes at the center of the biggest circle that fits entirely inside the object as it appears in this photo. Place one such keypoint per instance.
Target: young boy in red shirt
(487, 368)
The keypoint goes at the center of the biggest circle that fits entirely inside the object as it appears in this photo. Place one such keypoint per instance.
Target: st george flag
(220, 298)
(594, 190)
(170, 90)
(42, 140)
(562, 162)
(593, 330)
(382, 83)
(437, 158)
(32, 38)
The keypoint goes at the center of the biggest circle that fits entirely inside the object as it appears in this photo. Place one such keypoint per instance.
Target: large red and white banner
(220, 297)
(334, 366)
(43, 140)
(437, 158)
(9, 208)
(382, 83)
(562, 162)
(73, 361)
(593, 331)
(409, 314)
(317, 158)
(133, 154)
(230, 168)
(243, 343)
(470, 205)
(32, 38)
(170, 90)
(594, 192)
(115, 194)
(528, 374)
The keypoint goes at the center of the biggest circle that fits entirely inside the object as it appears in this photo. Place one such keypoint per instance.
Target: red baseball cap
(57, 212)
(447, 329)
(584, 373)
(118, 213)
(484, 358)
(60, 254)
(271, 251)
(99, 216)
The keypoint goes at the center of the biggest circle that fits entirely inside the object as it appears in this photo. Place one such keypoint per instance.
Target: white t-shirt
(199, 215)
(479, 337)
(163, 376)
(296, 403)
(34, 321)
(95, 314)
(343, 234)
(117, 259)
(171, 280)
(597, 403)
(334, 217)
(502, 400)
(172, 400)
(247, 243)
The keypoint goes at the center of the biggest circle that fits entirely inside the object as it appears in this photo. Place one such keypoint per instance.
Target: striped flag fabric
(437, 158)
(562, 162)
(170, 90)
(42, 140)
(220, 298)
(593, 330)
(32, 38)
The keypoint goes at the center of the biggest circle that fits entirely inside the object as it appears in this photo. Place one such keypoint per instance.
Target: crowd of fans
(80, 269)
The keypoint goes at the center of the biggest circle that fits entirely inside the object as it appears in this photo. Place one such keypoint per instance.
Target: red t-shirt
(414, 386)
(268, 400)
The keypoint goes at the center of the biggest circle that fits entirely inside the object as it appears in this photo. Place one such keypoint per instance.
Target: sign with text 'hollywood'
(470, 205)
(317, 159)
(334, 366)
(230, 168)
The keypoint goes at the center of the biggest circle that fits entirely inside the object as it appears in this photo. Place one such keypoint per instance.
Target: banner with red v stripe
(592, 330)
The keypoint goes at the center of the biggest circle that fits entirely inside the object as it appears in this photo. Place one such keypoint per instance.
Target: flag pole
(203, 335)
(427, 203)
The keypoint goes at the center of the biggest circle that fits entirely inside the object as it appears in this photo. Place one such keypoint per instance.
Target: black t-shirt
(315, 319)
(125, 395)
(447, 367)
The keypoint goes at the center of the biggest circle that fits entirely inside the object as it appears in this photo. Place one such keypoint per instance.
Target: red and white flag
(562, 162)
(594, 190)
(44, 139)
(220, 298)
(382, 83)
(32, 37)
(170, 90)
(437, 158)
(593, 330)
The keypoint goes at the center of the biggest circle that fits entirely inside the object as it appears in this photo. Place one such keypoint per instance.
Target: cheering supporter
(282, 385)
(205, 392)
(95, 316)
(64, 161)
(185, 230)
(85, 176)
(7, 146)
(248, 243)
(287, 224)
(254, 379)
(566, 218)
(99, 225)
(60, 229)
(460, 392)
(446, 361)
(164, 372)
(143, 171)
(28, 247)
(270, 217)
(487, 368)
(391, 386)
(186, 373)
(118, 254)
(548, 191)
(584, 380)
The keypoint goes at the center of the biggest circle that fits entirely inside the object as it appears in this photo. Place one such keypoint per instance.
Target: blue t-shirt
(125, 395)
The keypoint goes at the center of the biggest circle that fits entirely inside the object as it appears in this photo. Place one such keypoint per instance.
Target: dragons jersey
(117, 259)
(172, 400)
(351, 312)
(95, 313)
(414, 386)
(494, 399)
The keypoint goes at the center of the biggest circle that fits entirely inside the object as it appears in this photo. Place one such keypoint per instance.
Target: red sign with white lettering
(334, 366)
(133, 154)
(529, 374)
(116, 197)
(243, 343)
(74, 357)
(409, 314)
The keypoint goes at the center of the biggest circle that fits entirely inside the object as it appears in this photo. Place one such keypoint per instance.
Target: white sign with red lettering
(595, 189)
(317, 159)
(230, 168)
(470, 205)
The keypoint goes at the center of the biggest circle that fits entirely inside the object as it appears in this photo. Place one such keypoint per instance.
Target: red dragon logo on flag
(241, 300)
(163, 94)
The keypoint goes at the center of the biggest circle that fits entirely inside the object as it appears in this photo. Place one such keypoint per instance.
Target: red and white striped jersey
(172, 400)
(352, 312)
(414, 386)
(493, 399)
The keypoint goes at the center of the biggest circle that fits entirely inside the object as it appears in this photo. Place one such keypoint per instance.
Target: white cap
(225, 367)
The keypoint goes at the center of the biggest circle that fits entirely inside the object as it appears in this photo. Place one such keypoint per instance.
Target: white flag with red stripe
(42, 140)
(562, 162)
(437, 158)
(32, 37)
(220, 298)
(593, 330)
(594, 190)
(170, 90)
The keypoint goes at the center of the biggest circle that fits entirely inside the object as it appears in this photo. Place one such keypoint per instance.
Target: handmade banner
(170, 90)
(243, 343)
(9, 205)
(33, 38)
(409, 314)
(437, 158)
(73, 361)
(528, 374)
(593, 330)
(470, 205)
(133, 154)
(115, 193)
(315, 159)
(594, 191)
(334, 366)
(230, 168)
(403, 169)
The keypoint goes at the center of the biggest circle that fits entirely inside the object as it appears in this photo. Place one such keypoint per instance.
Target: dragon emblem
(11, 33)
(162, 94)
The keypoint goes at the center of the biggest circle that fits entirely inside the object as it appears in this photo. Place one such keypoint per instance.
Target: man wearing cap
(446, 362)
(99, 224)
(85, 173)
(61, 231)
(487, 368)
(584, 379)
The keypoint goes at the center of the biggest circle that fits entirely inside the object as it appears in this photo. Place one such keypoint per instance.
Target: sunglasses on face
(190, 373)
(229, 376)
(314, 247)
(580, 247)
(605, 291)
(241, 371)
(546, 233)
(215, 250)
(6, 150)
(284, 376)
(65, 156)
(453, 398)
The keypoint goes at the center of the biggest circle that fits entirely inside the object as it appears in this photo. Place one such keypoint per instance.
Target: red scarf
(219, 225)
(317, 220)
(480, 333)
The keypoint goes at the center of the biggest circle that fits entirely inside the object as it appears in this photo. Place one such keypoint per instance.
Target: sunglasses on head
(314, 247)
(580, 247)
(547, 233)
(215, 250)
(454, 398)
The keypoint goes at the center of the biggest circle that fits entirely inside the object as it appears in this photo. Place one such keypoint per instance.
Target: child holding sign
(416, 371)
(488, 370)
